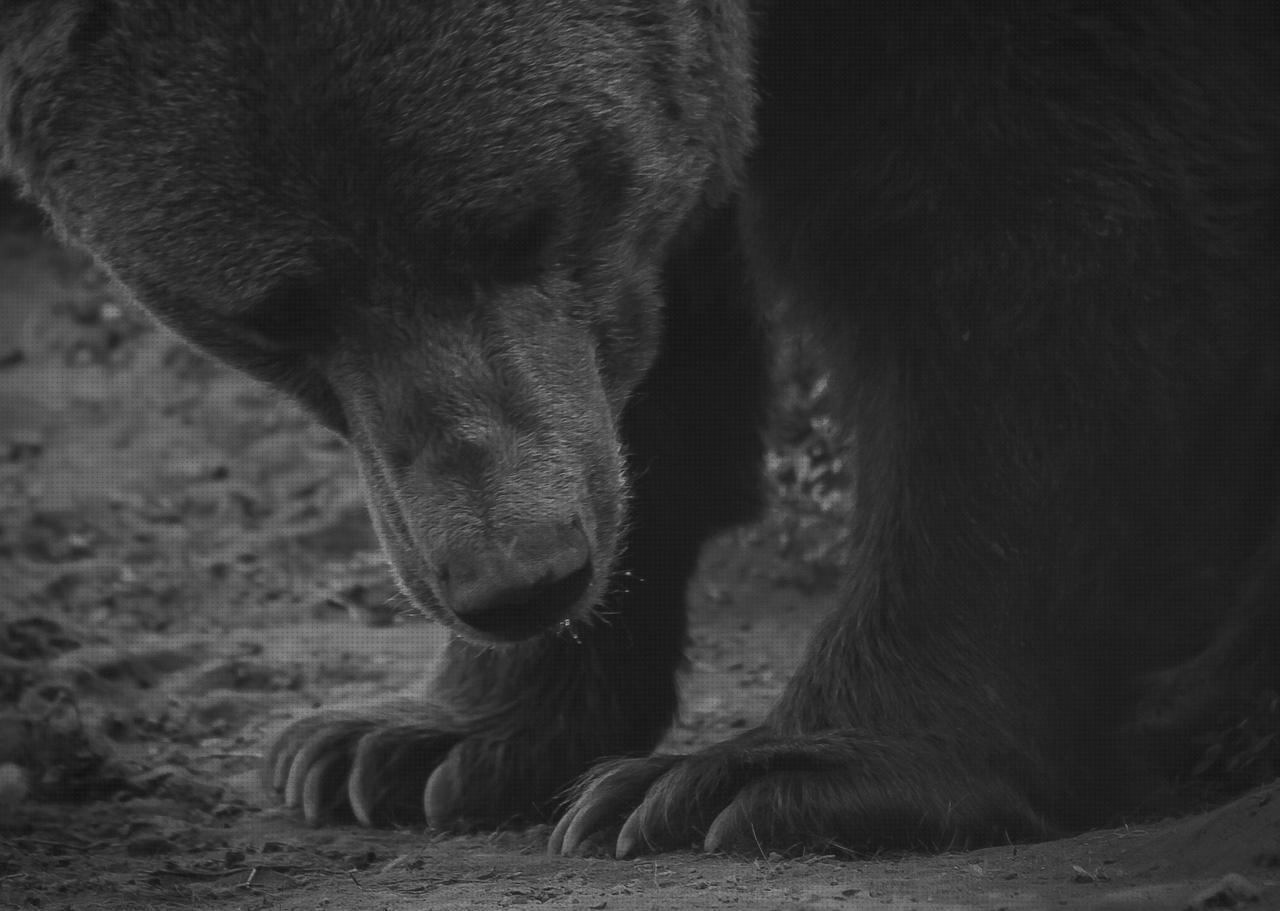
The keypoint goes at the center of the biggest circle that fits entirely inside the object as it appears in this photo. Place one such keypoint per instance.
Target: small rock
(1232, 891)
(150, 846)
(13, 788)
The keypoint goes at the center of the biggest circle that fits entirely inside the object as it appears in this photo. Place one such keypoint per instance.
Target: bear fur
(514, 255)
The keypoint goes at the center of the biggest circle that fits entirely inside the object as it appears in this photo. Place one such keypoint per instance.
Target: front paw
(843, 792)
(406, 763)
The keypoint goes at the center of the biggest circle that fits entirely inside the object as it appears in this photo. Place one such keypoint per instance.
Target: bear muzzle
(527, 583)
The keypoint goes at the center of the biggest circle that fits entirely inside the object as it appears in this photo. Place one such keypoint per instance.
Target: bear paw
(408, 762)
(843, 791)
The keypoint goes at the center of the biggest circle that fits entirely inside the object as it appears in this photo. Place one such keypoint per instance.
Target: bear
(518, 256)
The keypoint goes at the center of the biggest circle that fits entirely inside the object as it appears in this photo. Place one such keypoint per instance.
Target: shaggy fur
(508, 257)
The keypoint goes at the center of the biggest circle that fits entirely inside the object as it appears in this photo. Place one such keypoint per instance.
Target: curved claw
(589, 812)
(335, 739)
(440, 797)
(387, 775)
(322, 796)
(729, 830)
(632, 834)
(278, 763)
(284, 750)
(604, 797)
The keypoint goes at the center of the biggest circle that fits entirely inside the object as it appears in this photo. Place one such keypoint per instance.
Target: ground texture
(186, 566)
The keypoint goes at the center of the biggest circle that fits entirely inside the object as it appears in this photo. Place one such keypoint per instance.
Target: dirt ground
(185, 566)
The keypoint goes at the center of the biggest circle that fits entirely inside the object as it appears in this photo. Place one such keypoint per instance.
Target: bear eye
(294, 316)
(523, 248)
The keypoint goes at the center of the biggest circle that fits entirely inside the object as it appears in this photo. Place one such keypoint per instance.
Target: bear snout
(526, 584)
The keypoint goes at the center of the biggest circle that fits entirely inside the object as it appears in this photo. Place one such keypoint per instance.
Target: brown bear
(511, 252)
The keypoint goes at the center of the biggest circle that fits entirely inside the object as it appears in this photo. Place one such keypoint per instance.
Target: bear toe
(830, 792)
(603, 798)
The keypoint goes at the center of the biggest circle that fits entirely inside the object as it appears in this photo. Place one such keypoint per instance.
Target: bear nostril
(516, 592)
(519, 613)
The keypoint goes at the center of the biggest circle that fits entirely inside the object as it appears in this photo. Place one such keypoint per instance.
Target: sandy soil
(185, 566)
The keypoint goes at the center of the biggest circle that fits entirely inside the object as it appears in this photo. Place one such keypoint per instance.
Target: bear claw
(834, 791)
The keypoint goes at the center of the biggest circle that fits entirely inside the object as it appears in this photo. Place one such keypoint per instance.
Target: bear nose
(529, 585)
